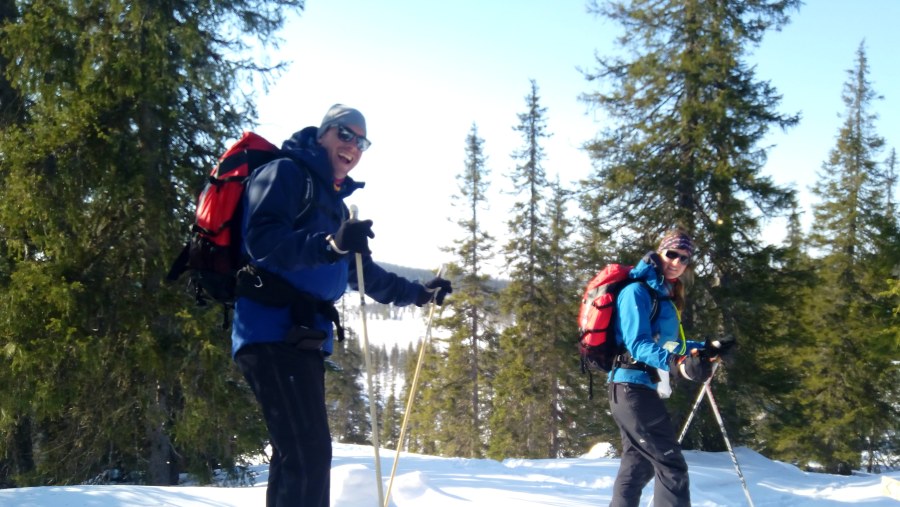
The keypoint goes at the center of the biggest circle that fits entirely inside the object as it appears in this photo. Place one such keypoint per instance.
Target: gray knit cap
(341, 114)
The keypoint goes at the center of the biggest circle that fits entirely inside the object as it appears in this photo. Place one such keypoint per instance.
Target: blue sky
(424, 71)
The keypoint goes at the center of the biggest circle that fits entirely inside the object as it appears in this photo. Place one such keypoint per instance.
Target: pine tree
(112, 114)
(891, 178)
(579, 422)
(523, 422)
(687, 116)
(847, 405)
(461, 380)
(781, 367)
(16, 446)
(390, 422)
(348, 414)
(426, 415)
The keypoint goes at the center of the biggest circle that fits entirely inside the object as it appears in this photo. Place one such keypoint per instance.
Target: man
(301, 260)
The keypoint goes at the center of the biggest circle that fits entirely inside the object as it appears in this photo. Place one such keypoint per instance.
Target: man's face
(342, 143)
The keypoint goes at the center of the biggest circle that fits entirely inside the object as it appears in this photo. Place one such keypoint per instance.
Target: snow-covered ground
(428, 481)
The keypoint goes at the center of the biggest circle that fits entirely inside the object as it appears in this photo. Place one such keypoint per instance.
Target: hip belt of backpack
(269, 289)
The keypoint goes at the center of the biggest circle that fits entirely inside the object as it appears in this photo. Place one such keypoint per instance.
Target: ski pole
(699, 400)
(712, 402)
(690, 417)
(687, 422)
(373, 410)
(412, 394)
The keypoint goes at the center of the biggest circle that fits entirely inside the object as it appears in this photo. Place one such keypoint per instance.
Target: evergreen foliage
(348, 413)
(848, 395)
(687, 116)
(460, 386)
(391, 418)
(424, 420)
(579, 421)
(112, 114)
(525, 420)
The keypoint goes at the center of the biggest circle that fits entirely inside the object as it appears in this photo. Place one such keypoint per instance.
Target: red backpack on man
(213, 254)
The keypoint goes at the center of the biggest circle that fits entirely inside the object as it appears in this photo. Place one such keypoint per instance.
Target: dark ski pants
(289, 385)
(649, 447)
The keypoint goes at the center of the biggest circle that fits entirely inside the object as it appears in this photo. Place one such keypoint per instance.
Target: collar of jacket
(303, 146)
(648, 271)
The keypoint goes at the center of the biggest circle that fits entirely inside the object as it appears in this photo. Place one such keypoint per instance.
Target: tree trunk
(161, 469)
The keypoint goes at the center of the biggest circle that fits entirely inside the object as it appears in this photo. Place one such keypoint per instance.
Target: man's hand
(436, 288)
(352, 237)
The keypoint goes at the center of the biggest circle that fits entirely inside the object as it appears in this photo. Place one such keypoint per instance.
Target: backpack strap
(309, 197)
(270, 289)
(681, 337)
(654, 303)
(623, 358)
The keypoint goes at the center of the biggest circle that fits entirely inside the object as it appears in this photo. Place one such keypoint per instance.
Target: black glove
(438, 288)
(696, 366)
(352, 236)
(719, 347)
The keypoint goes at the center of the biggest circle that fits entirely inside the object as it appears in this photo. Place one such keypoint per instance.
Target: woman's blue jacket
(277, 241)
(653, 343)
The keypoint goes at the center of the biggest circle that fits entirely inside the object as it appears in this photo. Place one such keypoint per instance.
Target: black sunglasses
(672, 254)
(346, 135)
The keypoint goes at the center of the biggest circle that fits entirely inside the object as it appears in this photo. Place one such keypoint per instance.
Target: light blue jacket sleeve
(634, 328)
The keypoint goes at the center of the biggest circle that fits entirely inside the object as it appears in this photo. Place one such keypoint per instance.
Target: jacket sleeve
(273, 203)
(634, 306)
(384, 286)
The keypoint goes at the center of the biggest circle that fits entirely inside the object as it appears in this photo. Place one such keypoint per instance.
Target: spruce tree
(461, 377)
(425, 417)
(348, 414)
(523, 422)
(848, 395)
(577, 421)
(112, 115)
(682, 148)
(391, 418)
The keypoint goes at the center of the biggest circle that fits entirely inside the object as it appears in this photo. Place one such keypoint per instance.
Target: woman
(648, 328)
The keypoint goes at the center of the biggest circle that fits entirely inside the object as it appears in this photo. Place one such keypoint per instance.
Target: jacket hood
(649, 270)
(304, 146)
(302, 140)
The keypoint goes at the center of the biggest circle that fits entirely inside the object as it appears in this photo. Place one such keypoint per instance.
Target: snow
(432, 481)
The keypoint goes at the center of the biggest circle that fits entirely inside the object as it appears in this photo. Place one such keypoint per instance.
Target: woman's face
(674, 262)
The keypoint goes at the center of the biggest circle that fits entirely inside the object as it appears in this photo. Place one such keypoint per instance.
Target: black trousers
(649, 448)
(289, 385)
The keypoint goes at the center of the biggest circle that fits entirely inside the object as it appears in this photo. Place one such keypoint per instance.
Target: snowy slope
(454, 482)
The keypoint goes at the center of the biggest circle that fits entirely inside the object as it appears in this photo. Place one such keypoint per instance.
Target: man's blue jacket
(274, 239)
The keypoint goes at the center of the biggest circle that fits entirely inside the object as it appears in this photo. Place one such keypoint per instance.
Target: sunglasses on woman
(672, 254)
(346, 135)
